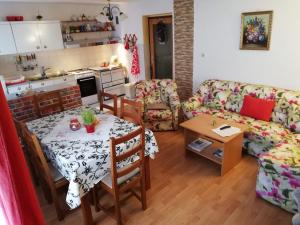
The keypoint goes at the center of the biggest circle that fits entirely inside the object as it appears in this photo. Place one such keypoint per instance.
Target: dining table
(84, 158)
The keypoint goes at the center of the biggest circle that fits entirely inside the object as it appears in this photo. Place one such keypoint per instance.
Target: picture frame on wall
(256, 29)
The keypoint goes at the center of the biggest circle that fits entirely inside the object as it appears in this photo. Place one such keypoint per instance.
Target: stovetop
(80, 71)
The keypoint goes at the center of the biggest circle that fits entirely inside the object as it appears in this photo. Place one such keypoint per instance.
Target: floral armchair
(160, 103)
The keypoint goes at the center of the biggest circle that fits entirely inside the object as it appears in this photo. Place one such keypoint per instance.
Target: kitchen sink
(48, 76)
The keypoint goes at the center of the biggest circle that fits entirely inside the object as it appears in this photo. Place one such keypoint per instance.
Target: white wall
(134, 24)
(217, 36)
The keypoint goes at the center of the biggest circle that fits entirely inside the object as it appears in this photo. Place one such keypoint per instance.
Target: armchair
(160, 103)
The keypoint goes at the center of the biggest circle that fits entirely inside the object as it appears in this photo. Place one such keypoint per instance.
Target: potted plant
(89, 119)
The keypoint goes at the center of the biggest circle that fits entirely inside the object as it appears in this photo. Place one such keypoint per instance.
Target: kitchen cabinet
(32, 36)
(18, 88)
(40, 84)
(7, 43)
(50, 35)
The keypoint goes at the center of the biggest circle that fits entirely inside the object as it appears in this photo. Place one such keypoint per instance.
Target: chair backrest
(156, 90)
(48, 103)
(114, 107)
(131, 110)
(19, 127)
(38, 156)
(137, 150)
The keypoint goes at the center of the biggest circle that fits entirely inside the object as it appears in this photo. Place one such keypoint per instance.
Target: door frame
(147, 59)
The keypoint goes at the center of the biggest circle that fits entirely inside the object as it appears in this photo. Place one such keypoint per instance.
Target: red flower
(294, 183)
(293, 127)
(276, 182)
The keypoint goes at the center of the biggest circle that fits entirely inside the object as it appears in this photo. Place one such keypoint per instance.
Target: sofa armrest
(174, 103)
(192, 103)
(142, 101)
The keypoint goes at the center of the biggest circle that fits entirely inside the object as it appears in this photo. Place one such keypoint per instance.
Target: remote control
(225, 127)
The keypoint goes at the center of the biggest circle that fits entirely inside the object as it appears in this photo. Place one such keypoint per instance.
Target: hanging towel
(135, 67)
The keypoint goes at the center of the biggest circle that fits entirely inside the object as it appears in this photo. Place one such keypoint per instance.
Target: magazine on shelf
(218, 153)
(199, 144)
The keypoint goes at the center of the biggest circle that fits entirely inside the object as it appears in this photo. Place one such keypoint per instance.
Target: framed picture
(256, 30)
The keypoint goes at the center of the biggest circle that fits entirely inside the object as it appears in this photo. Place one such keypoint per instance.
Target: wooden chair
(131, 110)
(113, 108)
(48, 103)
(50, 178)
(19, 128)
(124, 179)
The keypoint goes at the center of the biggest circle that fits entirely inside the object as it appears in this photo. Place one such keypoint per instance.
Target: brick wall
(184, 41)
(24, 109)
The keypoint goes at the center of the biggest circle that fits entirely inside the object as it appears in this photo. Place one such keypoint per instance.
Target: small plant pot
(90, 128)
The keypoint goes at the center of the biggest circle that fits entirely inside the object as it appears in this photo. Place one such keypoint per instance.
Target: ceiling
(70, 1)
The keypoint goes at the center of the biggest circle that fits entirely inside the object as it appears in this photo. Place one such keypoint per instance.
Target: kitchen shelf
(98, 31)
(80, 21)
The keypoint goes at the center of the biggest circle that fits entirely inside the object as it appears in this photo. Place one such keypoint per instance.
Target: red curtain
(18, 201)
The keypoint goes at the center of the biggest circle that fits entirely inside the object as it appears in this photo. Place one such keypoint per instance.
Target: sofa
(276, 143)
(162, 93)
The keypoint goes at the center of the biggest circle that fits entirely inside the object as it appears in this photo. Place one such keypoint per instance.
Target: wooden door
(161, 47)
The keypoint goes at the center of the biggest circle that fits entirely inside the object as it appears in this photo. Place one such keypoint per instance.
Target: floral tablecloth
(84, 161)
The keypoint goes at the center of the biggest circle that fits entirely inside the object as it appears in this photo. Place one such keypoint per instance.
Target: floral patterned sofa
(275, 143)
(159, 91)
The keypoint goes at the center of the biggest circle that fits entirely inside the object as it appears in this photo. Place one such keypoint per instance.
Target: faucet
(43, 72)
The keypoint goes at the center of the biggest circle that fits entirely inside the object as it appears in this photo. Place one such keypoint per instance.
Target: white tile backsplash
(65, 59)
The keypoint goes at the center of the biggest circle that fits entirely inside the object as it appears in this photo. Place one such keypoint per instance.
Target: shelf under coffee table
(201, 127)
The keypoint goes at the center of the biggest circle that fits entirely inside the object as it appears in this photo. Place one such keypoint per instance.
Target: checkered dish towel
(135, 67)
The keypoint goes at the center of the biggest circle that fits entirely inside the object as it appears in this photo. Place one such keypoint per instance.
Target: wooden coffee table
(201, 126)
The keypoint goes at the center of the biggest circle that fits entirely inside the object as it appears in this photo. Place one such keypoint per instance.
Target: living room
(219, 115)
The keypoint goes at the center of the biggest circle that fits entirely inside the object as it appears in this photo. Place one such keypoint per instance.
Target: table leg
(147, 172)
(86, 210)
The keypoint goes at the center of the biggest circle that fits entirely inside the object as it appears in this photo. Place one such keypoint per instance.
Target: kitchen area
(74, 48)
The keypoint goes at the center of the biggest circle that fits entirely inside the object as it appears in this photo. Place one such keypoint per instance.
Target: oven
(86, 81)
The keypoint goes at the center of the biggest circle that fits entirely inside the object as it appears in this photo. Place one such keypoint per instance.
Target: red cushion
(257, 108)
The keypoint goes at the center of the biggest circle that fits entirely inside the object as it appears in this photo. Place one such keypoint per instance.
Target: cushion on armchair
(155, 115)
(158, 106)
(153, 97)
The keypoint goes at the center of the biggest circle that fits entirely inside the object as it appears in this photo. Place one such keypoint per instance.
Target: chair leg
(33, 173)
(95, 199)
(46, 191)
(117, 209)
(143, 192)
(59, 212)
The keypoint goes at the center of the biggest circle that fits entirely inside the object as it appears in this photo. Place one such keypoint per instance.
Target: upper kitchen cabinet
(50, 35)
(32, 36)
(26, 36)
(7, 43)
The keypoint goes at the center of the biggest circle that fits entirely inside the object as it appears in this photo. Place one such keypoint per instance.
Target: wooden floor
(189, 190)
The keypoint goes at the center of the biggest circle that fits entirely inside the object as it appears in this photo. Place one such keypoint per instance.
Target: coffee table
(201, 127)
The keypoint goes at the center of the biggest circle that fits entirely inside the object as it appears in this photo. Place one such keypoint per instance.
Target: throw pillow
(218, 99)
(257, 108)
(281, 111)
(294, 118)
(234, 103)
